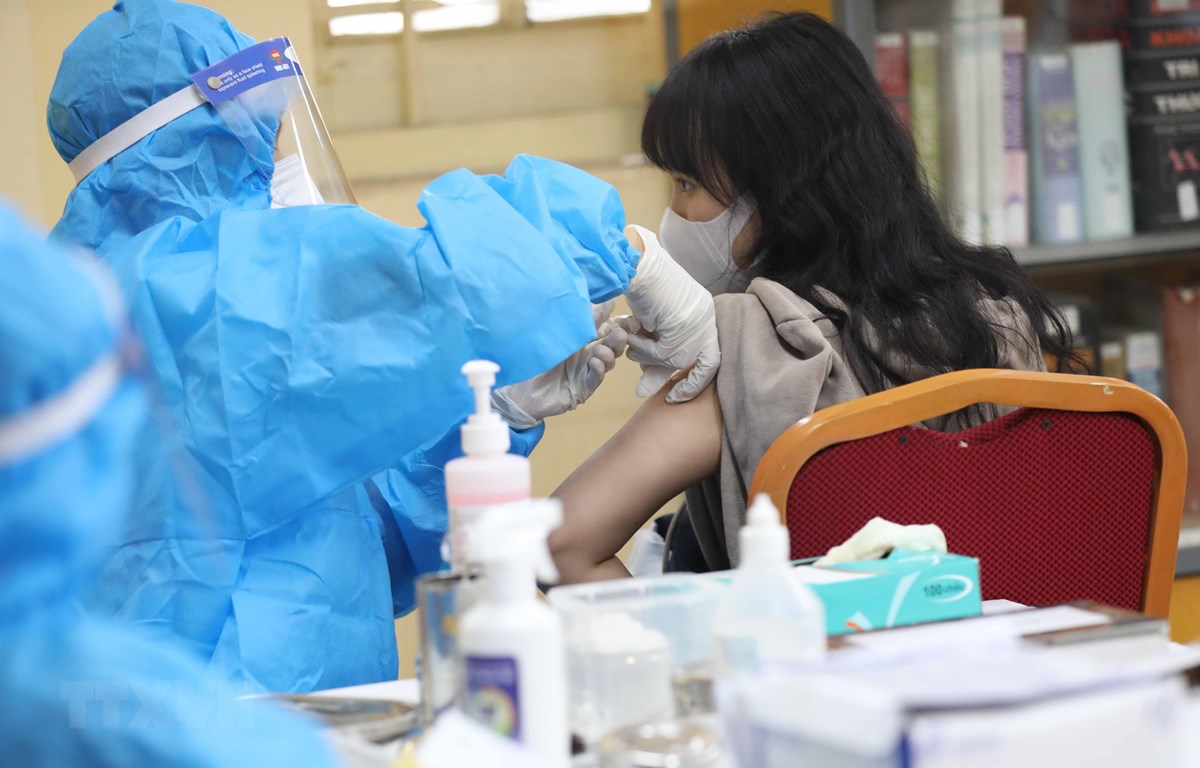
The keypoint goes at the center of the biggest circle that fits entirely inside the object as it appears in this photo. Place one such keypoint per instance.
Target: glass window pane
(559, 10)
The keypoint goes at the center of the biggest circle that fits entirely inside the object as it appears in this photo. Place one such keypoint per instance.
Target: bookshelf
(1146, 262)
(1185, 244)
(862, 20)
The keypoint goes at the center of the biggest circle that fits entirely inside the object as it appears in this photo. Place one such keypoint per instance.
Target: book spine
(1112, 359)
(1144, 359)
(925, 114)
(1054, 136)
(1103, 142)
(1097, 20)
(1180, 68)
(1016, 157)
(891, 68)
(1082, 317)
(1162, 79)
(963, 124)
(1164, 34)
(991, 122)
(1162, 7)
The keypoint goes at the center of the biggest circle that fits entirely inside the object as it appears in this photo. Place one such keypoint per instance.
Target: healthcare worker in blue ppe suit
(80, 691)
(304, 346)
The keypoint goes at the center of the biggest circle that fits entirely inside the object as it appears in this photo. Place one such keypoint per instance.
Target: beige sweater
(781, 360)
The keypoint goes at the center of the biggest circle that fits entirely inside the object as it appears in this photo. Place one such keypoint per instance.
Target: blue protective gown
(80, 691)
(303, 351)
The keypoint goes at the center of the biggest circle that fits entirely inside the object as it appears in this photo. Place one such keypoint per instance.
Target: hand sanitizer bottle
(487, 476)
(768, 620)
(510, 641)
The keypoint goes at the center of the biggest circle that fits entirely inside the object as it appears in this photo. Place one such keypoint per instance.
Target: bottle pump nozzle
(485, 433)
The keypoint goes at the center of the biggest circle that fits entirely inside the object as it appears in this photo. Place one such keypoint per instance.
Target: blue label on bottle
(493, 696)
(257, 65)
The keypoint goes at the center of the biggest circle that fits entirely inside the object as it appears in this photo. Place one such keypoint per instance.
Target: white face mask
(291, 185)
(705, 248)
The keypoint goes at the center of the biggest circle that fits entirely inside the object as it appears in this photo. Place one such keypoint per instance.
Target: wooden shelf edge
(1098, 250)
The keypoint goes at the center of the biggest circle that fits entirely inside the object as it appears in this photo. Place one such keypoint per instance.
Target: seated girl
(797, 198)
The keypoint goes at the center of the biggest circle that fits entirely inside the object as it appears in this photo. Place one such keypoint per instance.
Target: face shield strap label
(257, 65)
(62, 415)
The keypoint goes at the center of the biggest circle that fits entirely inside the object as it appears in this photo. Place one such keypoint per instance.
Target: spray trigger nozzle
(517, 532)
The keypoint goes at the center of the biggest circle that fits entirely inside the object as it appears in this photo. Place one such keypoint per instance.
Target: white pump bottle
(510, 641)
(768, 620)
(487, 476)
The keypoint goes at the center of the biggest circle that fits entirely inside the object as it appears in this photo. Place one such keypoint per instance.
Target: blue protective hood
(83, 692)
(33, 368)
(126, 60)
(42, 353)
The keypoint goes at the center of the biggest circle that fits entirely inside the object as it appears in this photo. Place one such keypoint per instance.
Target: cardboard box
(901, 589)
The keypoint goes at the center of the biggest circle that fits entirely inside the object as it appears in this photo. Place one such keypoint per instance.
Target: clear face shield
(262, 95)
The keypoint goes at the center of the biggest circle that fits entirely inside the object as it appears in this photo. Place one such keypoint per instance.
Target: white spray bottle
(768, 620)
(510, 641)
(487, 476)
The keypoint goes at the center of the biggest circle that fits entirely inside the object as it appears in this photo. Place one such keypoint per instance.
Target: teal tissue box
(902, 588)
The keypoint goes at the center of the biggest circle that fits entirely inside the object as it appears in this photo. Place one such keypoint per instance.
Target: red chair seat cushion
(1055, 504)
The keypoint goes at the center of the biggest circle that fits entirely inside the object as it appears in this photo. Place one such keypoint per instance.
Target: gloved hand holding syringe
(673, 329)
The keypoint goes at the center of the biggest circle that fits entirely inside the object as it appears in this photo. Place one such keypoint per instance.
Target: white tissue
(879, 536)
(613, 632)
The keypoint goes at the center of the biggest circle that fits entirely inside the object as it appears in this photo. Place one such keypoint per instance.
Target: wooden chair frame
(945, 394)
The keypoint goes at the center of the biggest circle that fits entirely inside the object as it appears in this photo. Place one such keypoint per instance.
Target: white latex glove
(879, 536)
(601, 313)
(567, 385)
(670, 304)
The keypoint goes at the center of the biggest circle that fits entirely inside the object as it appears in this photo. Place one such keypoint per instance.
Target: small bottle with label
(769, 620)
(487, 476)
(511, 642)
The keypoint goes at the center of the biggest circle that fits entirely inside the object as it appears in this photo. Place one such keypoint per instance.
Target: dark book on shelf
(1156, 8)
(1082, 317)
(1162, 74)
(1112, 358)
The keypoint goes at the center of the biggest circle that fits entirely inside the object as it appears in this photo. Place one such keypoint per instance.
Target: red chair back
(1078, 494)
(1057, 505)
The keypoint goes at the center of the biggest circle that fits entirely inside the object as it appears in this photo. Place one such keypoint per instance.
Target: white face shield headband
(61, 415)
(58, 417)
(253, 87)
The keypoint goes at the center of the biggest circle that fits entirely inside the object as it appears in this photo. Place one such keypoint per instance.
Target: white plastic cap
(512, 538)
(764, 538)
(485, 433)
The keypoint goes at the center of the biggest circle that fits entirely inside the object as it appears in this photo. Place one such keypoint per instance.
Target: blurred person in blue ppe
(80, 691)
(308, 351)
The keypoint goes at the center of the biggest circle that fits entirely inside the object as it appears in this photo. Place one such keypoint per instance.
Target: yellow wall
(19, 123)
(698, 19)
(474, 75)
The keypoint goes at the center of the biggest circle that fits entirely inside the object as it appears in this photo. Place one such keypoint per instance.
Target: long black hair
(787, 112)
